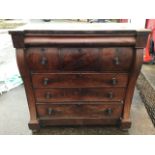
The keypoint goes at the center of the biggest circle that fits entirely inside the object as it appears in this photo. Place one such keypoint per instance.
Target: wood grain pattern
(138, 60)
(79, 80)
(24, 71)
(79, 59)
(82, 102)
(79, 77)
(35, 56)
(69, 41)
(79, 94)
(79, 121)
(80, 110)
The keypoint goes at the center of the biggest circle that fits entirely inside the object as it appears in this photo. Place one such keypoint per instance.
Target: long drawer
(79, 111)
(79, 80)
(79, 94)
(79, 59)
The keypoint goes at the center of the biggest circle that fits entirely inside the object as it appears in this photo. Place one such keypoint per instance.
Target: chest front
(79, 81)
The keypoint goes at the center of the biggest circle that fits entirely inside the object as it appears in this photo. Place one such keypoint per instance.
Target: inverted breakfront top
(89, 34)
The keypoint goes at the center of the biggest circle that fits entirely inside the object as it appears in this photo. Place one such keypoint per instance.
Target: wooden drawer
(79, 94)
(79, 59)
(68, 80)
(80, 110)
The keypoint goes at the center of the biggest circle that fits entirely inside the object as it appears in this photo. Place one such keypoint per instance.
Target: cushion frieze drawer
(68, 80)
(82, 110)
(79, 94)
(79, 59)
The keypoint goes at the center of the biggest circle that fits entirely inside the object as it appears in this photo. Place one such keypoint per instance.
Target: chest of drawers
(79, 77)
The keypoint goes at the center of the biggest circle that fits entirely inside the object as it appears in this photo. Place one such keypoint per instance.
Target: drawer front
(80, 111)
(68, 80)
(79, 94)
(79, 59)
(43, 59)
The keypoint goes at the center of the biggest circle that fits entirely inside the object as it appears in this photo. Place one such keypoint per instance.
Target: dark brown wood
(82, 102)
(79, 77)
(78, 121)
(141, 39)
(138, 60)
(113, 37)
(80, 110)
(63, 33)
(24, 71)
(79, 59)
(35, 56)
(18, 40)
(79, 80)
(79, 94)
(34, 41)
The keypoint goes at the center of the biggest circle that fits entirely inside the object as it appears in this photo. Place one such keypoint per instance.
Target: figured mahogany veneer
(79, 59)
(79, 94)
(79, 77)
(80, 110)
(79, 80)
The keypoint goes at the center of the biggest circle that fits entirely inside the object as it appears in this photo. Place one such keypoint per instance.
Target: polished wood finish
(79, 121)
(24, 71)
(74, 77)
(79, 80)
(138, 60)
(97, 41)
(80, 110)
(79, 59)
(79, 94)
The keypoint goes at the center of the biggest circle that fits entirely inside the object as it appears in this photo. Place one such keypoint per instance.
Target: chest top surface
(79, 34)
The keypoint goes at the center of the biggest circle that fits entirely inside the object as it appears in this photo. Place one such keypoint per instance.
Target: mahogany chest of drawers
(79, 77)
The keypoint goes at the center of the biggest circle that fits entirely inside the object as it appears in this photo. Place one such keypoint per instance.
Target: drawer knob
(46, 81)
(108, 111)
(44, 61)
(110, 95)
(50, 111)
(48, 95)
(117, 62)
(114, 81)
